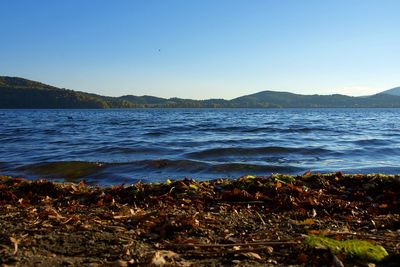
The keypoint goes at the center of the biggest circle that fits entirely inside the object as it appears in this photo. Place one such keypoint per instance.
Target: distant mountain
(393, 91)
(274, 99)
(22, 93)
(284, 99)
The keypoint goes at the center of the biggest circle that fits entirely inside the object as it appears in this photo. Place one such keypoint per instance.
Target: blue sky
(203, 49)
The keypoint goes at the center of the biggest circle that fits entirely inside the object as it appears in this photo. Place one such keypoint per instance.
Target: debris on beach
(309, 220)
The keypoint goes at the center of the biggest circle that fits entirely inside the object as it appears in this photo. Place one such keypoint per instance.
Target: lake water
(124, 146)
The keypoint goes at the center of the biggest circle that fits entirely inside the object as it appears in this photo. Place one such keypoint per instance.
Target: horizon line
(212, 98)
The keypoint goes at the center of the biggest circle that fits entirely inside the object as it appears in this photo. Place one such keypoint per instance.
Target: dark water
(123, 146)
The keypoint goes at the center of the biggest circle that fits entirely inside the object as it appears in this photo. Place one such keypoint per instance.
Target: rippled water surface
(123, 146)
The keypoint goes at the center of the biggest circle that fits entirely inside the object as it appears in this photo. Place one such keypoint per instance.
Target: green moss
(193, 187)
(134, 191)
(283, 178)
(6, 180)
(354, 248)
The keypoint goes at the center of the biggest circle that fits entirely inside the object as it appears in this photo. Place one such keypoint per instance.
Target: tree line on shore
(22, 93)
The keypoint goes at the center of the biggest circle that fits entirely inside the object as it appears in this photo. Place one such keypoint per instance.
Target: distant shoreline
(22, 93)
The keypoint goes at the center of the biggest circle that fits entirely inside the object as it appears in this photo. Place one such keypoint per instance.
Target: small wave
(207, 125)
(126, 150)
(177, 128)
(389, 152)
(51, 131)
(370, 170)
(157, 133)
(12, 139)
(248, 151)
(116, 123)
(3, 165)
(372, 142)
(190, 167)
(262, 129)
(308, 129)
(64, 169)
(65, 124)
(252, 168)
(283, 130)
(228, 129)
(177, 165)
(58, 142)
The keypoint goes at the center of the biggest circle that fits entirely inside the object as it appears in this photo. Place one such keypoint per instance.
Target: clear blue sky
(203, 49)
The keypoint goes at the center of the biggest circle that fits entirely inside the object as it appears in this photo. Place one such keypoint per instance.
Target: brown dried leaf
(15, 242)
(308, 221)
(269, 250)
(238, 195)
(81, 184)
(251, 255)
(314, 232)
(52, 213)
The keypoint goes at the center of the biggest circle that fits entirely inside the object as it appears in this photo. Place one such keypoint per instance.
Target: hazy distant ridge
(22, 93)
(393, 91)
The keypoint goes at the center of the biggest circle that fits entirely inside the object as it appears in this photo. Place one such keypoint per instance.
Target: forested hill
(22, 93)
